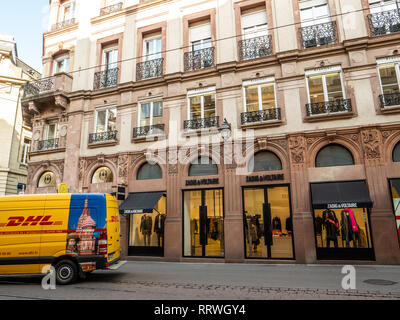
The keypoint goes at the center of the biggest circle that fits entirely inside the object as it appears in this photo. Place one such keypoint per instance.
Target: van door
(20, 233)
(54, 228)
(113, 229)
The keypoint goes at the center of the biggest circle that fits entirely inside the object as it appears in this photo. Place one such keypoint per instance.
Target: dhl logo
(30, 221)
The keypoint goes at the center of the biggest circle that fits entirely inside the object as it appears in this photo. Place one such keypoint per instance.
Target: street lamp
(226, 130)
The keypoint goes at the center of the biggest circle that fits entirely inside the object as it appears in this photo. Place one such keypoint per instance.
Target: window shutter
(254, 19)
(200, 32)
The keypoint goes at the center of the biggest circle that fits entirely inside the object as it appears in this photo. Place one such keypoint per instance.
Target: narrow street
(218, 281)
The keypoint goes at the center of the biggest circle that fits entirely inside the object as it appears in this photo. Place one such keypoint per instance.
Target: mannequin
(349, 227)
(145, 228)
(331, 224)
(159, 228)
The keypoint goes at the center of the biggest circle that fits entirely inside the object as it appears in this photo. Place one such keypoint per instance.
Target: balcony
(199, 59)
(382, 23)
(318, 35)
(149, 69)
(63, 24)
(103, 137)
(105, 79)
(146, 131)
(255, 47)
(338, 107)
(389, 101)
(201, 123)
(267, 115)
(109, 9)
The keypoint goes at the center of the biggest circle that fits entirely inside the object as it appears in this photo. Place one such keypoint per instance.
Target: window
(201, 105)
(259, 96)
(67, 11)
(376, 6)
(334, 155)
(152, 48)
(314, 12)
(203, 166)
(150, 113)
(106, 120)
(254, 23)
(200, 35)
(325, 87)
(264, 161)
(102, 175)
(61, 64)
(26, 148)
(389, 75)
(51, 131)
(110, 58)
(396, 153)
(47, 179)
(149, 171)
(384, 17)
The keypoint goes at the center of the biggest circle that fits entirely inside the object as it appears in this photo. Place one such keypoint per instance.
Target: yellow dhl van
(75, 233)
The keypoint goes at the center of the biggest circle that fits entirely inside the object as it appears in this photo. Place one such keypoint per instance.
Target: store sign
(267, 177)
(132, 211)
(202, 182)
(342, 205)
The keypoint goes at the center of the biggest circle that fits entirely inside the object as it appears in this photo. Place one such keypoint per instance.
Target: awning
(338, 195)
(143, 202)
(396, 184)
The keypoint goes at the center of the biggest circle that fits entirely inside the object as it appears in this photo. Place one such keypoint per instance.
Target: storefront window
(47, 179)
(268, 223)
(102, 175)
(147, 229)
(343, 228)
(203, 223)
(334, 155)
(395, 192)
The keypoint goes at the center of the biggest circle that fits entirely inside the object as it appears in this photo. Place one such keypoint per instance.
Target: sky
(26, 20)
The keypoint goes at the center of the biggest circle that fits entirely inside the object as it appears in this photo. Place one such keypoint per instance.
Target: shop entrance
(203, 212)
(267, 222)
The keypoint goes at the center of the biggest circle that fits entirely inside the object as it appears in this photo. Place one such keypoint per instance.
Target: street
(214, 281)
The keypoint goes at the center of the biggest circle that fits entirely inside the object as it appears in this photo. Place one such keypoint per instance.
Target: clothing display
(331, 225)
(318, 225)
(289, 224)
(146, 224)
(276, 224)
(159, 227)
(349, 227)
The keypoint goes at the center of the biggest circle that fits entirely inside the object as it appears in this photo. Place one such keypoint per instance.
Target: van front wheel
(66, 272)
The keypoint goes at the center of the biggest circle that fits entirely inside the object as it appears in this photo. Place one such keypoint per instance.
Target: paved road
(165, 281)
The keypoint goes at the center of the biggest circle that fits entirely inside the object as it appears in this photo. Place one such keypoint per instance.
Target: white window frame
(153, 55)
(47, 131)
(324, 72)
(57, 60)
(259, 83)
(107, 108)
(203, 43)
(380, 6)
(390, 61)
(202, 93)
(107, 65)
(151, 110)
(314, 20)
(72, 5)
(256, 30)
(25, 151)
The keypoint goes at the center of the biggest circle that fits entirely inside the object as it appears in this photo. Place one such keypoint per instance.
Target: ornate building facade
(135, 92)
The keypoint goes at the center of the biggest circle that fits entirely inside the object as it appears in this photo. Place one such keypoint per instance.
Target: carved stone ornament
(371, 142)
(123, 165)
(82, 168)
(173, 168)
(297, 149)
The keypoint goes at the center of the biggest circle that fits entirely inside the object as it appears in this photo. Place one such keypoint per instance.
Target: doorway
(268, 223)
(203, 232)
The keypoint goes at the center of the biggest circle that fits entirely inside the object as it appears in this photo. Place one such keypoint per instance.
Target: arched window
(47, 179)
(396, 153)
(102, 175)
(203, 166)
(334, 155)
(264, 161)
(149, 171)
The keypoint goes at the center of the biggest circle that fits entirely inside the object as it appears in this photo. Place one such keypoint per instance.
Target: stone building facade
(136, 91)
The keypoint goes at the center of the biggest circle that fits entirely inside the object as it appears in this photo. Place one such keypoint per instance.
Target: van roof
(52, 196)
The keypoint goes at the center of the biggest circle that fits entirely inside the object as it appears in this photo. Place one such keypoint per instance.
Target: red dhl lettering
(31, 221)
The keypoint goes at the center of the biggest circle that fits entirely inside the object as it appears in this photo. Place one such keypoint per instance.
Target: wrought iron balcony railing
(149, 69)
(261, 115)
(34, 88)
(109, 9)
(199, 59)
(382, 23)
(318, 35)
(155, 129)
(327, 107)
(47, 144)
(201, 123)
(255, 47)
(105, 79)
(103, 136)
(389, 99)
(63, 24)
